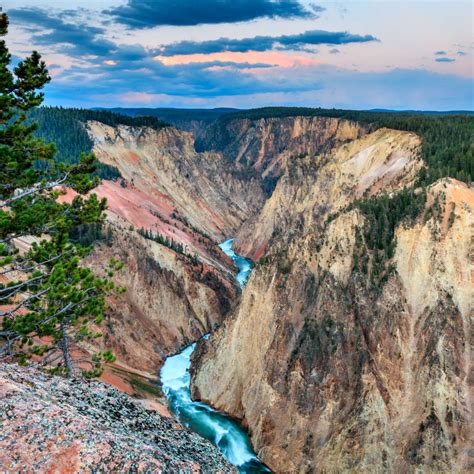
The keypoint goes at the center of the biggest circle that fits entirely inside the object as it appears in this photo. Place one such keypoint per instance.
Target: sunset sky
(249, 53)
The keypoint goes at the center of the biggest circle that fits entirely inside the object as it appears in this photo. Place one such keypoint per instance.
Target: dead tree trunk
(66, 350)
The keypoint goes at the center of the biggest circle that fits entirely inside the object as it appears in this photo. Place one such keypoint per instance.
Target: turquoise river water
(220, 429)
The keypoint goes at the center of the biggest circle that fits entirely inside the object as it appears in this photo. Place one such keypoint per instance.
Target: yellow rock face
(317, 185)
(164, 164)
(329, 374)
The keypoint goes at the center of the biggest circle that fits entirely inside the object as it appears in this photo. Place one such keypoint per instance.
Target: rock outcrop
(50, 424)
(331, 373)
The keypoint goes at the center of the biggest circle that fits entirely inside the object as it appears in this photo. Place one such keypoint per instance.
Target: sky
(352, 54)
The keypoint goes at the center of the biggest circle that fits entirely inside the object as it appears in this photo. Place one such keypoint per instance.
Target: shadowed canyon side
(170, 300)
(328, 372)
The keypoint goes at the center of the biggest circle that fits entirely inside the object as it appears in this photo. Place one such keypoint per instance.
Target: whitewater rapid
(217, 427)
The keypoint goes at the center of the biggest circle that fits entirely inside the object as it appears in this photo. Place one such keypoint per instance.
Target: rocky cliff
(163, 164)
(170, 300)
(197, 200)
(315, 185)
(175, 293)
(330, 371)
(266, 144)
(343, 353)
(50, 424)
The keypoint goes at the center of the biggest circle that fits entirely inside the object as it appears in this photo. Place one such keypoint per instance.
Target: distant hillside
(447, 138)
(190, 120)
(426, 112)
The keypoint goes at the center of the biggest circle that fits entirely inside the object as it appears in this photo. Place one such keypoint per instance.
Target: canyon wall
(315, 185)
(169, 302)
(266, 144)
(164, 164)
(329, 371)
(197, 200)
(178, 292)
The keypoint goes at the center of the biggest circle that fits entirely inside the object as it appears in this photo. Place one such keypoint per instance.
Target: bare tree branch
(37, 265)
(11, 290)
(34, 191)
(23, 303)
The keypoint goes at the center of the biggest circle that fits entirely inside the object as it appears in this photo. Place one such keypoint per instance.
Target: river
(220, 429)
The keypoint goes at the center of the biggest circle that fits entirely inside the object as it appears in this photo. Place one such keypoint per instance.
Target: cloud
(96, 71)
(66, 32)
(153, 65)
(461, 53)
(71, 33)
(445, 60)
(334, 51)
(234, 65)
(153, 77)
(80, 39)
(150, 13)
(298, 42)
(440, 53)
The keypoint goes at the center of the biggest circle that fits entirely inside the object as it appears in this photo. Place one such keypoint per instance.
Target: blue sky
(249, 53)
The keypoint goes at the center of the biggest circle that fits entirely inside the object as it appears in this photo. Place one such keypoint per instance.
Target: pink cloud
(251, 57)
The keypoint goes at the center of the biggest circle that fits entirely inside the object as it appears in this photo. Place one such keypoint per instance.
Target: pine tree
(47, 299)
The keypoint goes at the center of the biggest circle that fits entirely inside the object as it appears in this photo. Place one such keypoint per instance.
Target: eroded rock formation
(192, 199)
(331, 373)
(170, 301)
(164, 164)
(266, 144)
(327, 370)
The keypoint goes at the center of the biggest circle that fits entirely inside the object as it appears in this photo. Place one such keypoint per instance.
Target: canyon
(330, 373)
(326, 371)
(197, 199)
(167, 188)
(339, 354)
